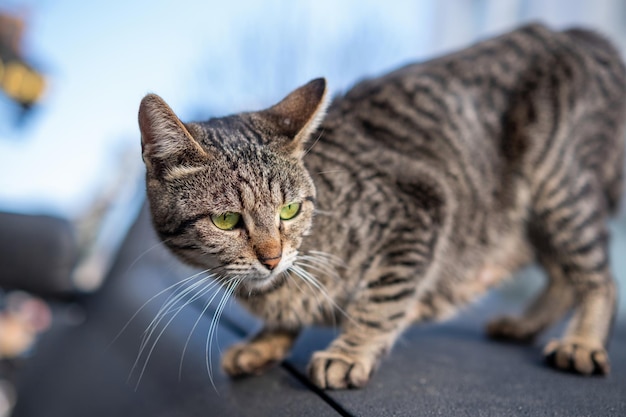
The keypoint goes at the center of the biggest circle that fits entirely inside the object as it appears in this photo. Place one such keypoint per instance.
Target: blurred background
(72, 75)
(211, 58)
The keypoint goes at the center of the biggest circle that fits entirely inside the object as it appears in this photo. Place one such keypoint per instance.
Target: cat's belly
(501, 261)
(455, 287)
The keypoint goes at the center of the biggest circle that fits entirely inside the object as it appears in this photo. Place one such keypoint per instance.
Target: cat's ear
(299, 114)
(165, 141)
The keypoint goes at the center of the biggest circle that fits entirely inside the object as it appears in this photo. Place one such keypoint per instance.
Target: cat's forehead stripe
(268, 193)
(231, 130)
(248, 198)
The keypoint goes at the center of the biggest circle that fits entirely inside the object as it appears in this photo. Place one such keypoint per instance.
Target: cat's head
(232, 194)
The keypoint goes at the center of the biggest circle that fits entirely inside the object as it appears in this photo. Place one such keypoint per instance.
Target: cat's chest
(305, 298)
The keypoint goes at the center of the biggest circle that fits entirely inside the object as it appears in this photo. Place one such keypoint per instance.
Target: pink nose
(271, 263)
(269, 252)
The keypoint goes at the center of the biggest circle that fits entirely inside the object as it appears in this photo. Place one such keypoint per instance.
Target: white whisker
(230, 288)
(199, 294)
(202, 313)
(332, 171)
(330, 257)
(176, 284)
(299, 272)
(314, 143)
(169, 306)
(312, 283)
(150, 249)
(290, 277)
(295, 281)
(316, 265)
(307, 276)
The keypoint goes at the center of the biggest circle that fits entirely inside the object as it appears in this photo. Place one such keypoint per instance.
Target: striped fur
(419, 191)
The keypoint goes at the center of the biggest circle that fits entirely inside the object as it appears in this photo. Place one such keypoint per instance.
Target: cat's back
(479, 122)
(479, 85)
(462, 112)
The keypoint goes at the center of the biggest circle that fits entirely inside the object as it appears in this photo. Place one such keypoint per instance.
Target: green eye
(226, 221)
(289, 211)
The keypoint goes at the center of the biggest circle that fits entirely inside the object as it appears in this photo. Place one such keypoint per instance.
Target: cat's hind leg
(569, 227)
(548, 307)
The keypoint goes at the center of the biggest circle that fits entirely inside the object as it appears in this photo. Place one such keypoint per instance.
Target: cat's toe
(335, 370)
(511, 329)
(246, 359)
(577, 356)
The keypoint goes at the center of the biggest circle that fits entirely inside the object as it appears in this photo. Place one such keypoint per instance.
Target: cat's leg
(550, 306)
(582, 349)
(255, 356)
(571, 225)
(376, 319)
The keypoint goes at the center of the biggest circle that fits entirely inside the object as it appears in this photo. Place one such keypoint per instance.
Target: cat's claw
(336, 370)
(577, 357)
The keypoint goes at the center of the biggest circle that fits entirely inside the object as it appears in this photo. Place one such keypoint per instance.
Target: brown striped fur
(419, 191)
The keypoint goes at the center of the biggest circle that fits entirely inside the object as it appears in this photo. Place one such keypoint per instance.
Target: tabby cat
(405, 198)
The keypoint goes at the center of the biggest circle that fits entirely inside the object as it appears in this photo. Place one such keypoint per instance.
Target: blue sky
(102, 57)
(213, 57)
(101, 60)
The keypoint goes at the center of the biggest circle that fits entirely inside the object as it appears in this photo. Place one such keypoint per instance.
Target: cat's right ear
(165, 141)
(298, 115)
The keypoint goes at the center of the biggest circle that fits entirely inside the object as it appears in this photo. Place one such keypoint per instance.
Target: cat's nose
(269, 252)
(271, 263)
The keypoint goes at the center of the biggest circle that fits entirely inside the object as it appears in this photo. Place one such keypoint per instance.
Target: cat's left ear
(165, 140)
(299, 114)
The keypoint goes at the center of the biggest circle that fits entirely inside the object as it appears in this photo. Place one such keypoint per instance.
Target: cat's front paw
(247, 359)
(337, 370)
(577, 356)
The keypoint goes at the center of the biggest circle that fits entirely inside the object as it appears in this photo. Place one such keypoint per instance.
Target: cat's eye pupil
(226, 221)
(289, 211)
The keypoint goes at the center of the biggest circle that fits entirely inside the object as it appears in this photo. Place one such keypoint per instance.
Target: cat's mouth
(257, 286)
(258, 283)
